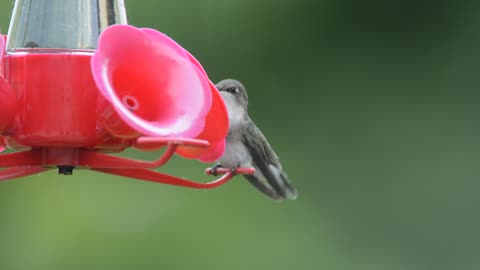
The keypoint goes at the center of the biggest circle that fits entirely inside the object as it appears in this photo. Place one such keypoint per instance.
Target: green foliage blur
(372, 107)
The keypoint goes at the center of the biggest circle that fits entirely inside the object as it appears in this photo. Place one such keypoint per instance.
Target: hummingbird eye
(232, 90)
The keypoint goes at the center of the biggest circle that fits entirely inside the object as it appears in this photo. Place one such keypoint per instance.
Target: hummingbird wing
(271, 179)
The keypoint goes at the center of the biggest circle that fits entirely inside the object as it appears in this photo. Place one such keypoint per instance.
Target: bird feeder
(77, 83)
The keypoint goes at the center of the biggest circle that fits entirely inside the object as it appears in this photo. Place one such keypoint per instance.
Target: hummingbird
(246, 146)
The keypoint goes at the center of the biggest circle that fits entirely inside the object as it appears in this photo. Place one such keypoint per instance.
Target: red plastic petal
(216, 129)
(214, 153)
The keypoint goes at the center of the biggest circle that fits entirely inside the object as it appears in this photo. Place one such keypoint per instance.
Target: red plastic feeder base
(34, 161)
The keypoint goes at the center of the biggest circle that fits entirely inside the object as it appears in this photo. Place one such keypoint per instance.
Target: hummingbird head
(236, 101)
(233, 91)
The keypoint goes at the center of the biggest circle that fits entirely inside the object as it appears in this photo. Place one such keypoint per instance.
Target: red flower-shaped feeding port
(138, 89)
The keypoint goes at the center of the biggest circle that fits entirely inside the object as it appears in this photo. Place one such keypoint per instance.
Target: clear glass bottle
(61, 24)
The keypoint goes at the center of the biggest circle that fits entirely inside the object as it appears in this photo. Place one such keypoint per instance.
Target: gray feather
(274, 182)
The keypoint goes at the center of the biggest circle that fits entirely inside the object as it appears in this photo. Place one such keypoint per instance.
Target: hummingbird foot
(214, 169)
(237, 170)
(234, 170)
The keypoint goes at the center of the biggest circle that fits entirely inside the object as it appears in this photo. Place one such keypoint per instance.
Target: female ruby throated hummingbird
(246, 146)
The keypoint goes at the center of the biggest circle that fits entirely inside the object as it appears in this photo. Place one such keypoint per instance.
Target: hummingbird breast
(236, 154)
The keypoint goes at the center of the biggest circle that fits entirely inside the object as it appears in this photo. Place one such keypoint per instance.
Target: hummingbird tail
(263, 187)
(281, 179)
(274, 184)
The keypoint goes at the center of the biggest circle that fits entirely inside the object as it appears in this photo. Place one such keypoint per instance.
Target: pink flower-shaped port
(168, 88)
(151, 82)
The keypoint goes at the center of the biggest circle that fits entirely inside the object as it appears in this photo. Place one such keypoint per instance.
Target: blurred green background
(371, 105)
